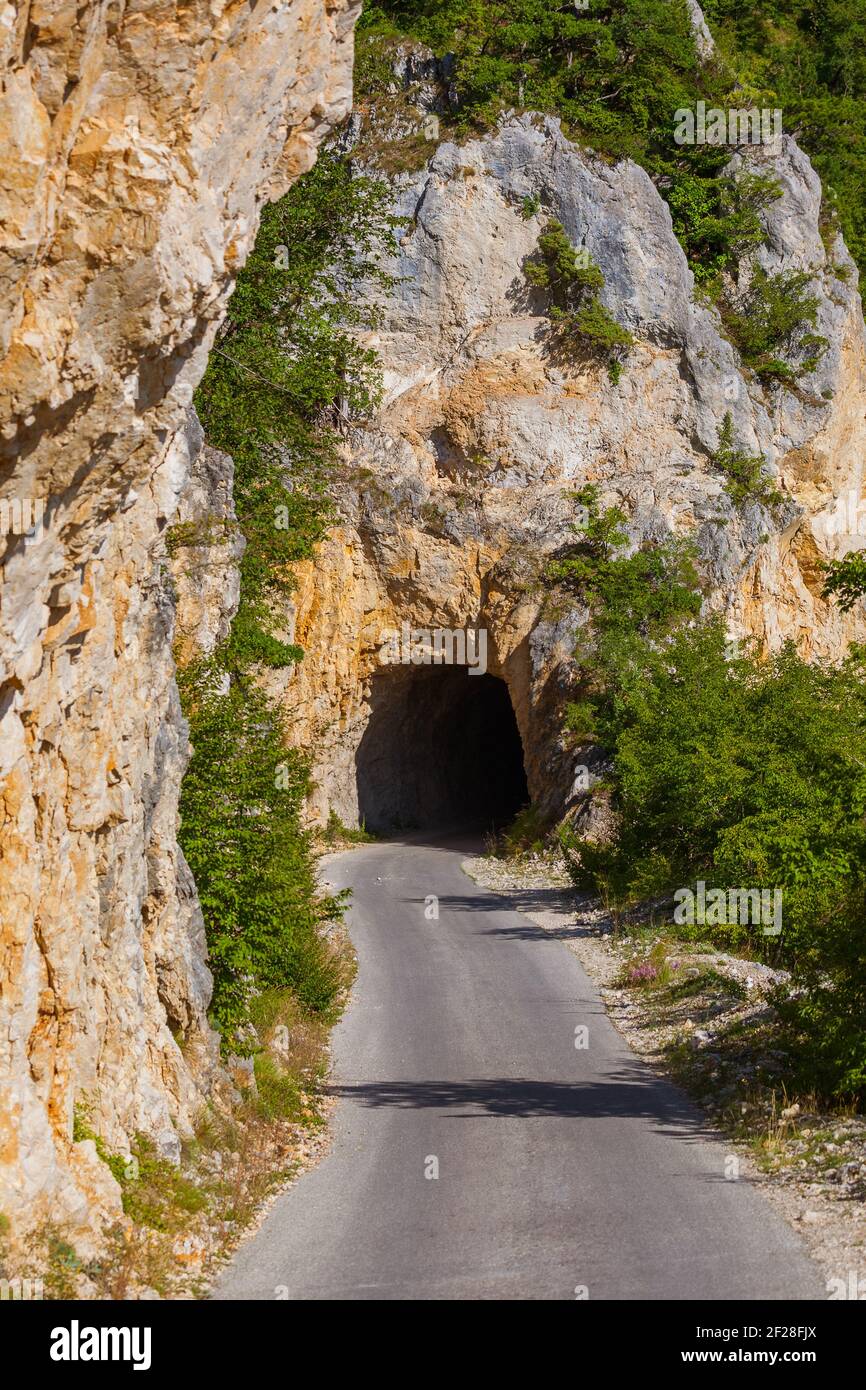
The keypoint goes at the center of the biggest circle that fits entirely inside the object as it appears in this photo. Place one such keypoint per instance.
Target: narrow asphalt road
(560, 1169)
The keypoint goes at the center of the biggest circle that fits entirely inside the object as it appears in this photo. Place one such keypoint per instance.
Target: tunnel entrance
(442, 749)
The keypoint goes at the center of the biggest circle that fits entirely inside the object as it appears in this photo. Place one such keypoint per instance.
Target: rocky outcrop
(457, 492)
(704, 42)
(139, 145)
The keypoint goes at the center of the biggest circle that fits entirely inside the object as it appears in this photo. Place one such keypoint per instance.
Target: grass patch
(528, 833)
(336, 833)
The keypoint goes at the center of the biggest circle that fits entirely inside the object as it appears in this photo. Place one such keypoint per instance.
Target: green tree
(287, 368)
(570, 278)
(744, 472)
(286, 364)
(846, 580)
(776, 315)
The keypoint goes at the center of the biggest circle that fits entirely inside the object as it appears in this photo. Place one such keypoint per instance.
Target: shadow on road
(523, 900)
(628, 1093)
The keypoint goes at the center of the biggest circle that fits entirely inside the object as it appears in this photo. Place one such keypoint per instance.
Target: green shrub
(570, 279)
(560, 269)
(744, 472)
(286, 354)
(845, 580)
(593, 322)
(82, 1129)
(641, 594)
(336, 832)
(717, 220)
(776, 314)
(614, 74)
(525, 835)
(808, 60)
(159, 1196)
(746, 773)
(240, 830)
(742, 771)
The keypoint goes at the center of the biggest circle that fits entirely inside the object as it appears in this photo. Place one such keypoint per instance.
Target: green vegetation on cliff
(731, 768)
(809, 60)
(571, 280)
(285, 370)
(617, 72)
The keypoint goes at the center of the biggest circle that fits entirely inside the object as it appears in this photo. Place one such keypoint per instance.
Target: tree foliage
(810, 60)
(776, 315)
(845, 580)
(287, 366)
(746, 480)
(571, 279)
(616, 75)
(286, 363)
(746, 772)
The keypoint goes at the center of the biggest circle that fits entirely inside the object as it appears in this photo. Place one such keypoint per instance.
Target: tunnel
(441, 750)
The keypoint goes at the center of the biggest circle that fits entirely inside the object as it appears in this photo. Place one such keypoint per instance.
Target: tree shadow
(523, 900)
(631, 1091)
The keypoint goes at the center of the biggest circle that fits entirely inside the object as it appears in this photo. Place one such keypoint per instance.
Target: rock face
(455, 494)
(139, 145)
(143, 142)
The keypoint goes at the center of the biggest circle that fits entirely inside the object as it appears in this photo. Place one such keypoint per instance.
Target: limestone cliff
(143, 142)
(139, 144)
(457, 491)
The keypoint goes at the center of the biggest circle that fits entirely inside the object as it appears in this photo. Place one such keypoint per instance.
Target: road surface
(563, 1172)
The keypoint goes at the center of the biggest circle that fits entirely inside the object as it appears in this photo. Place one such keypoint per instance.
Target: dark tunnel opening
(441, 750)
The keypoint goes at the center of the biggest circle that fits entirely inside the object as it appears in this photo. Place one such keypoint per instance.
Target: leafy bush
(159, 1196)
(285, 363)
(775, 313)
(615, 75)
(570, 279)
(846, 580)
(741, 771)
(638, 595)
(717, 220)
(560, 269)
(808, 60)
(597, 326)
(746, 773)
(240, 831)
(525, 834)
(823, 1019)
(335, 832)
(744, 472)
(750, 770)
